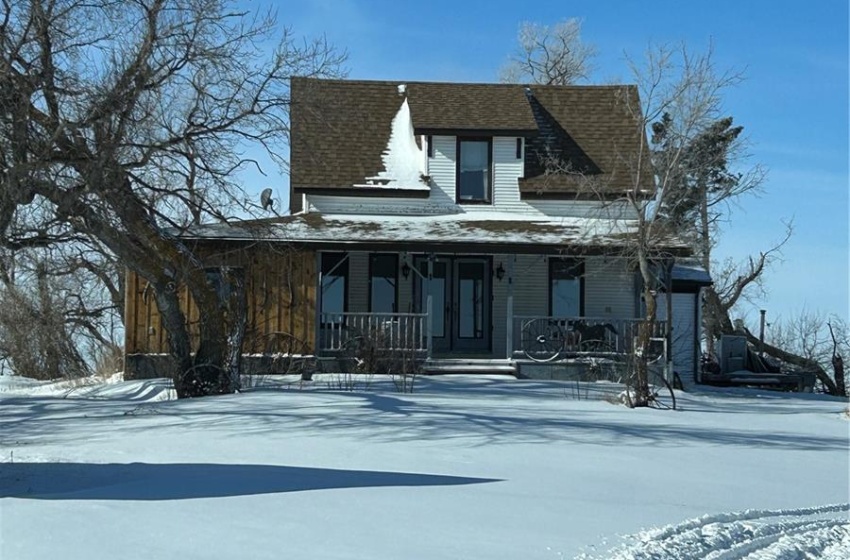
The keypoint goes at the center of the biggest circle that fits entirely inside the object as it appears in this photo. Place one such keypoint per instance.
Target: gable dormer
(501, 146)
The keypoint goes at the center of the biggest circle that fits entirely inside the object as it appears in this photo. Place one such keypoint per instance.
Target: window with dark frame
(334, 283)
(383, 283)
(566, 290)
(474, 170)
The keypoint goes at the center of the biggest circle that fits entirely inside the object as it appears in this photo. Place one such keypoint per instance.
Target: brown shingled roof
(594, 133)
(443, 108)
(341, 127)
(339, 130)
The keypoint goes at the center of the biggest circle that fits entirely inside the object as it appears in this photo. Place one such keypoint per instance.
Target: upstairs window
(474, 175)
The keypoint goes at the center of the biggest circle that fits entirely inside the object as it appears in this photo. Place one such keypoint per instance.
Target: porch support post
(429, 308)
(509, 328)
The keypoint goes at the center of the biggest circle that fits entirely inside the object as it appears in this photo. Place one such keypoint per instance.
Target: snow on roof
(485, 229)
(690, 271)
(404, 162)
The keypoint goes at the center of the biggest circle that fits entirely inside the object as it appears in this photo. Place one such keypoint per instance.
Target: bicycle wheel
(661, 395)
(542, 340)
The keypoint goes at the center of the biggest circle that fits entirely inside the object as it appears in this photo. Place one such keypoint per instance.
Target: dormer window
(474, 165)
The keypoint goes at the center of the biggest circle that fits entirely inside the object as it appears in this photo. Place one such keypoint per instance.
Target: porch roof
(462, 232)
(689, 276)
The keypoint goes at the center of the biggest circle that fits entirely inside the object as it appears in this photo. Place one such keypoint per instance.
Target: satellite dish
(266, 199)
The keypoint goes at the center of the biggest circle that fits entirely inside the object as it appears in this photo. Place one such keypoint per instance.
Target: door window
(438, 296)
(470, 287)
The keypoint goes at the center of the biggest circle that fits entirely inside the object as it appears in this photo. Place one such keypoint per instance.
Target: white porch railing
(386, 331)
(550, 335)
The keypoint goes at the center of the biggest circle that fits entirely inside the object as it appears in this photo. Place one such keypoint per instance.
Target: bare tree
(735, 282)
(681, 91)
(684, 91)
(67, 284)
(813, 342)
(840, 344)
(41, 322)
(693, 153)
(116, 131)
(549, 54)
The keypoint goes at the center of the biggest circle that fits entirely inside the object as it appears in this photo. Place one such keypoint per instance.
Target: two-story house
(477, 222)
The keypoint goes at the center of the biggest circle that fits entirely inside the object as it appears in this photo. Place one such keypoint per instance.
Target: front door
(460, 292)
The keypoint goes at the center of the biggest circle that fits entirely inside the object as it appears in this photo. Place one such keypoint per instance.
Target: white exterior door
(685, 327)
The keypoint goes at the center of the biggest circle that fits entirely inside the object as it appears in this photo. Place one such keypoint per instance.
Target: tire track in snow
(754, 534)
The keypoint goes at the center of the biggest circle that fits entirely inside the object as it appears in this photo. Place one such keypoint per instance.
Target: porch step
(447, 366)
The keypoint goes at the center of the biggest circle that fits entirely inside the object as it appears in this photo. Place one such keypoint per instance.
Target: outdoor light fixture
(405, 270)
(500, 272)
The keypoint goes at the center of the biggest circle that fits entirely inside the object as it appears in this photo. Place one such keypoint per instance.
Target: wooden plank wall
(280, 287)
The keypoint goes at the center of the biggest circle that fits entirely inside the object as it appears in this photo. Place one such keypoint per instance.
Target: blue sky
(793, 103)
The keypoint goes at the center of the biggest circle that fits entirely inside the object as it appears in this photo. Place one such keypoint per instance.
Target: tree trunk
(237, 324)
(838, 370)
(177, 334)
(640, 383)
(709, 320)
(795, 360)
(837, 365)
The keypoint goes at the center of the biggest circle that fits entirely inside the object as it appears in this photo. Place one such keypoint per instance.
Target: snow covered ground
(466, 467)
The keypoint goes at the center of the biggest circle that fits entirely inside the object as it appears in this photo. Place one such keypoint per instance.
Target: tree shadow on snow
(183, 481)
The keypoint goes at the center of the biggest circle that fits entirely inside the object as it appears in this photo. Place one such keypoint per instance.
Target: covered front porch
(486, 308)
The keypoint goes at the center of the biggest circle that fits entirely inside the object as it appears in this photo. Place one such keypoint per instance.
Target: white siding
(506, 170)
(439, 203)
(531, 296)
(609, 289)
(531, 285)
(499, 307)
(441, 168)
(578, 208)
